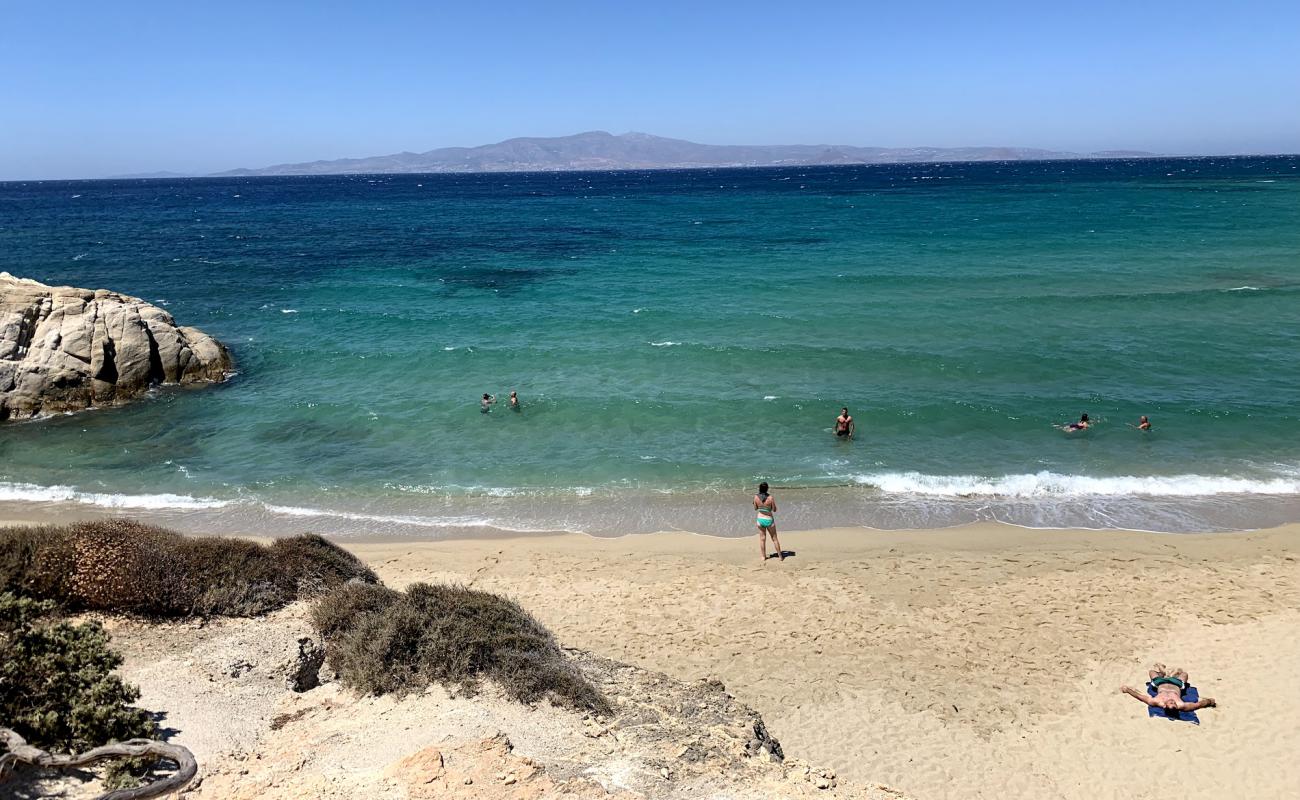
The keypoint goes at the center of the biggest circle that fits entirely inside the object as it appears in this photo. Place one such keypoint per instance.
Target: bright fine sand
(975, 662)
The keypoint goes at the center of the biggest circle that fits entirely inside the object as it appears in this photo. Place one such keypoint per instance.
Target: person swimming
(514, 402)
(1144, 424)
(844, 424)
(765, 513)
(1082, 425)
(485, 405)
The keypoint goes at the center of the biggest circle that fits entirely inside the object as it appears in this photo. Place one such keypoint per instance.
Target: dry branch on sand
(186, 767)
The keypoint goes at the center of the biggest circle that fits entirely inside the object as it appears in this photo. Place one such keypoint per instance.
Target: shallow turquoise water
(677, 336)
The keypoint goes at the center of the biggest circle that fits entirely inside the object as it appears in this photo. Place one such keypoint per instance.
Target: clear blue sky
(96, 88)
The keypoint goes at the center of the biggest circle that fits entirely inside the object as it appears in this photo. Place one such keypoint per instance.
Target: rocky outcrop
(67, 349)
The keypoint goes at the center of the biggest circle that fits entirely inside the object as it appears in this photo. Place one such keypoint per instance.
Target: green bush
(57, 687)
(381, 641)
(120, 565)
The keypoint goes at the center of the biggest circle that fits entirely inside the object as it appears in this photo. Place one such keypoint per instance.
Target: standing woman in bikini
(765, 511)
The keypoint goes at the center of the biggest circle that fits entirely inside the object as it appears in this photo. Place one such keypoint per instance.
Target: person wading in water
(844, 424)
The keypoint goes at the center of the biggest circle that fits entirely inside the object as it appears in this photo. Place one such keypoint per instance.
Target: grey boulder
(67, 349)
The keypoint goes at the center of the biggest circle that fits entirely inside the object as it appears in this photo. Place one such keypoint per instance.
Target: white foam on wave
(448, 521)
(454, 489)
(288, 311)
(663, 344)
(32, 493)
(1051, 484)
(1244, 289)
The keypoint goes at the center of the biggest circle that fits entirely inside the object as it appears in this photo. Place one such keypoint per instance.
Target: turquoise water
(677, 336)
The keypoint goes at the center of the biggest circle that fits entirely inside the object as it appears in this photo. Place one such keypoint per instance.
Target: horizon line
(1080, 157)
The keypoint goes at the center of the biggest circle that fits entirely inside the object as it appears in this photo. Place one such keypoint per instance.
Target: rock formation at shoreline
(67, 349)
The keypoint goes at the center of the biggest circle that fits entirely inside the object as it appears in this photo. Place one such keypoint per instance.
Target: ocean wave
(1051, 484)
(448, 521)
(1244, 289)
(456, 489)
(663, 344)
(31, 493)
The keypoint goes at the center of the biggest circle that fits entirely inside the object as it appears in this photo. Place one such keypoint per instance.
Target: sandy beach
(982, 661)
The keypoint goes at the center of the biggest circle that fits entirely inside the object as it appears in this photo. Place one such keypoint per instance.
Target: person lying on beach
(487, 402)
(1144, 424)
(765, 510)
(514, 401)
(1082, 425)
(844, 424)
(1169, 691)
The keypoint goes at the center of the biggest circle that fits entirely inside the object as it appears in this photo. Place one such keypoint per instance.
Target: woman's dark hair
(762, 488)
(486, 395)
(1083, 418)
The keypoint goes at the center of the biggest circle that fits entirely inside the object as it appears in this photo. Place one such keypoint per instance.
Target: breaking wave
(1051, 484)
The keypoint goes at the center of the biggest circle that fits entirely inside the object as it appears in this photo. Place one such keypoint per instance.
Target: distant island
(136, 176)
(598, 150)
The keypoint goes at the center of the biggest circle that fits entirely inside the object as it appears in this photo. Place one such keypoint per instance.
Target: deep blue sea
(678, 336)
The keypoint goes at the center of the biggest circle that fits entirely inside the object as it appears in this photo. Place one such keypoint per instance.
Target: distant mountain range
(598, 150)
(145, 175)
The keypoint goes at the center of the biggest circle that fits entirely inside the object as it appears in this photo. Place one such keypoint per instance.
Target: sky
(90, 89)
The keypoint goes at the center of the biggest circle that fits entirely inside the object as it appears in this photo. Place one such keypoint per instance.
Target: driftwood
(20, 752)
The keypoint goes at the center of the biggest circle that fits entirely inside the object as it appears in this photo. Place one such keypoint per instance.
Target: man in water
(514, 401)
(1081, 425)
(1144, 424)
(1169, 691)
(487, 402)
(844, 424)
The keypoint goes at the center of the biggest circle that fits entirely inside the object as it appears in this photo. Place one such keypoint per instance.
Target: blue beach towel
(1190, 695)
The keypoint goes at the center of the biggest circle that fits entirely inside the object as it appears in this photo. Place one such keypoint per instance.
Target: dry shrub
(120, 565)
(57, 687)
(35, 561)
(381, 641)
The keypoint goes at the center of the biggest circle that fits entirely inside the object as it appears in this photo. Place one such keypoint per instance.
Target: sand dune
(974, 662)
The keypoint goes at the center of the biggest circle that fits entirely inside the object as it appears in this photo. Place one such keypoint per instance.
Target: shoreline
(613, 515)
(975, 536)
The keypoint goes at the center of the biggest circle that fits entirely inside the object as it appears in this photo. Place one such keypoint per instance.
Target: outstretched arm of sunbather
(1131, 692)
(1205, 702)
